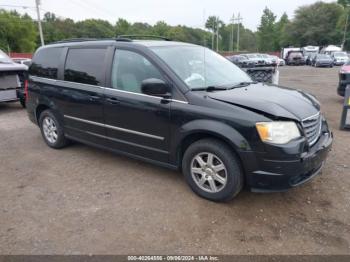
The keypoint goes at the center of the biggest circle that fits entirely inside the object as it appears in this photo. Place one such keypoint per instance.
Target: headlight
(280, 132)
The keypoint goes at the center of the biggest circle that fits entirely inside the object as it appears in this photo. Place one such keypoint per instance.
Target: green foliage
(315, 24)
(344, 2)
(17, 32)
(266, 31)
(280, 29)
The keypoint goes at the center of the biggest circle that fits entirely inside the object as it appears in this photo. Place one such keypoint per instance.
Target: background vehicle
(241, 61)
(310, 50)
(322, 60)
(340, 58)
(285, 51)
(310, 58)
(269, 60)
(329, 50)
(280, 61)
(295, 58)
(23, 61)
(344, 78)
(255, 58)
(12, 77)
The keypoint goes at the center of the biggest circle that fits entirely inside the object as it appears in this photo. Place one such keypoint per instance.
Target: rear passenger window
(45, 62)
(85, 65)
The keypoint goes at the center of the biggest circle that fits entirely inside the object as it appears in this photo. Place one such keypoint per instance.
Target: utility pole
(346, 26)
(37, 3)
(233, 22)
(239, 20)
(217, 34)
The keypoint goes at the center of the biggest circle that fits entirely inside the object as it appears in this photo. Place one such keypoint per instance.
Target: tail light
(26, 90)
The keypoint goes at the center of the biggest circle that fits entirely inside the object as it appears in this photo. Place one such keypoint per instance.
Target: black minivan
(181, 106)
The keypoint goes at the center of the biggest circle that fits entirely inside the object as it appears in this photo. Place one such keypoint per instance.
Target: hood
(277, 101)
(5, 67)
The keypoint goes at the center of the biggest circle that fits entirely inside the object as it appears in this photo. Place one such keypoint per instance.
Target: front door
(136, 123)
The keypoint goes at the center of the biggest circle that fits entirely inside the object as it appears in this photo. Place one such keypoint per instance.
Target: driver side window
(130, 69)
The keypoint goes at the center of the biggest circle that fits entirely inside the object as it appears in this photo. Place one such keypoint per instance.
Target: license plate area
(8, 95)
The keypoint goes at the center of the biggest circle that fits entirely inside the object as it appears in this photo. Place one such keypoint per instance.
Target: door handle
(112, 100)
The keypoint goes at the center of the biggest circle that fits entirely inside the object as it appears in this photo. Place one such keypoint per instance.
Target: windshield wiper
(210, 88)
(243, 84)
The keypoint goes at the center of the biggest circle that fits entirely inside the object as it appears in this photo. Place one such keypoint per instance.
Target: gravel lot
(81, 200)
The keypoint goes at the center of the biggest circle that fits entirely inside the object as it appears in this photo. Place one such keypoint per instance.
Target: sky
(184, 12)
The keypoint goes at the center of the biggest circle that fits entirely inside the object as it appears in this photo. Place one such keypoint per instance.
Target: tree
(160, 28)
(316, 24)
(280, 29)
(122, 27)
(344, 3)
(266, 31)
(17, 32)
(214, 24)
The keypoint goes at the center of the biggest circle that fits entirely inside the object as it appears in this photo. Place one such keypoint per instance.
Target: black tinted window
(85, 66)
(45, 63)
(130, 69)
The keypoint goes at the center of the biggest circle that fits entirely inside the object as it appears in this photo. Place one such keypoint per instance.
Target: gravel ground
(82, 200)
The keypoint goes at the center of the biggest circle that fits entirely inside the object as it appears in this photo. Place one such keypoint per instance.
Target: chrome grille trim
(312, 128)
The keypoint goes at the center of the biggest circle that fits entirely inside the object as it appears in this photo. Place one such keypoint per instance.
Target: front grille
(312, 128)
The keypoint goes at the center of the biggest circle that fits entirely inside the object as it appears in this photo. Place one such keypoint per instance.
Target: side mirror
(155, 87)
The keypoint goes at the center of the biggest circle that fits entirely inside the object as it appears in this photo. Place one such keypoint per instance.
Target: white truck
(310, 50)
(287, 50)
(329, 50)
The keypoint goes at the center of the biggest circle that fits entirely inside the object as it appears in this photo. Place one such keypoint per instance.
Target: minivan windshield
(4, 58)
(200, 67)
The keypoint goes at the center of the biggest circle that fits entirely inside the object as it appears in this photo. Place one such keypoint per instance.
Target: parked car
(310, 58)
(12, 77)
(181, 106)
(310, 50)
(23, 61)
(241, 61)
(295, 58)
(340, 58)
(322, 60)
(279, 61)
(256, 59)
(344, 78)
(268, 60)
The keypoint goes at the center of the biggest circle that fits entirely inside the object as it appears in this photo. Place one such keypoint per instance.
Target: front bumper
(264, 174)
(326, 64)
(338, 63)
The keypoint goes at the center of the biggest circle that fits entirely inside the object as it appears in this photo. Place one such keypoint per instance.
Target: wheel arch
(202, 129)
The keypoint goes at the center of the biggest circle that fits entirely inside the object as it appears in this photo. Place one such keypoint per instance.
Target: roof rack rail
(74, 40)
(130, 37)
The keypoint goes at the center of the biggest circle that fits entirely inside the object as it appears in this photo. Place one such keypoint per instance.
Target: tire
(22, 102)
(52, 130)
(206, 174)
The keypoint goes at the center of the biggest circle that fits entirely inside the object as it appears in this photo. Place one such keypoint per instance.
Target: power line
(18, 6)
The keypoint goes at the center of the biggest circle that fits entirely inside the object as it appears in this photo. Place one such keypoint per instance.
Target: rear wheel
(52, 130)
(212, 170)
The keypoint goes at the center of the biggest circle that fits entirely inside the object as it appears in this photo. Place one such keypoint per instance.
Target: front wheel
(212, 170)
